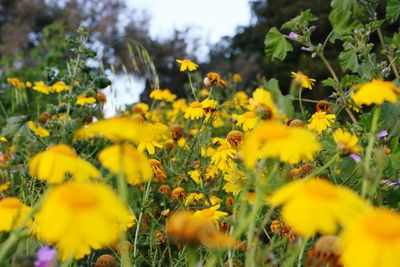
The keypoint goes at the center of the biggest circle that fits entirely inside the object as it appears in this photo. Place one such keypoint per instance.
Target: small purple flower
(382, 134)
(389, 183)
(46, 257)
(307, 49)
(356, 157)
(293, 36)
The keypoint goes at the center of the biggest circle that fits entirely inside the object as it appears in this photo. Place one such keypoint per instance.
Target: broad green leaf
(276, 45)
(330, 82)
(284, 103)
(348, 5)
(393, 10)
(396, 40)
(342, 21)
(348, 60)
(13, 124)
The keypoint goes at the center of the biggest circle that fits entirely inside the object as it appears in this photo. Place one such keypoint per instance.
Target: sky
(208, 20)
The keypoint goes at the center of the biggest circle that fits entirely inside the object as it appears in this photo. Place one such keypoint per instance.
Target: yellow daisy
(12, 213)
(194, 111)
(83, 100)
(38, 130)
(212, 213)
(316, 205)
(320, 121)
(375, 92)
(42, 88)
(247, 120)
(262, 103)
(60, 87)
(187, 64)
(303, 79)
(346, 142)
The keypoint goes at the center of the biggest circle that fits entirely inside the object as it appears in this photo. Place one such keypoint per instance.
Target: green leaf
(330, 82)
(393, 10)
(342, 21)
(300, 22)
(348, 5)
(276, 45)
(13, 124)
(348, 60)
(284, 103)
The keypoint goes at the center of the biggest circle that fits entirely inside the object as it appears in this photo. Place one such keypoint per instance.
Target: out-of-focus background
(226, 36)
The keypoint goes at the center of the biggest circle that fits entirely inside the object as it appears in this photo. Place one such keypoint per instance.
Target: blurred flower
(46, 257)
(194, 111)
(178, 193)
(316, 205)
(13, 214)
(237, 78)
(60, 87)
(223, 155)
(53, 164)
(355, 157)
(42, 88)
(247, 120)
(5, 186)
(196, 176)
(240, 99)
(214, 78)
(212, 213)
(320, 121)
(78, 217)
(38, 130)
(346, 142)
(235, 138)
(325, 252)
(234, 179)
(125, 159)
(3, 139)
(194, 197)
(101, 97)
(158, 170)
(15, 82)
(382, 134)
(375, 92)
(372, 240)
(83, 100)
(275, 226)
(187, 64)
(183, 226)
(262, 104)
(274, 140)
(166, 95)
(303, 79)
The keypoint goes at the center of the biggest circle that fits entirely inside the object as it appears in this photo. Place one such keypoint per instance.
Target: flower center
(208, 213)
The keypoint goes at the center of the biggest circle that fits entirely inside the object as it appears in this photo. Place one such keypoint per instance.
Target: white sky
(208, 19)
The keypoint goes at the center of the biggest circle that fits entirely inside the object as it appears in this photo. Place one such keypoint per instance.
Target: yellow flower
(168, 96)
(237, 78)
(240, 99)
(187, 64)
(38, 130)
(303, 79)
(234, 180)
(346, 142)
(78, 217)
(15, 82)
(52, 165)
(316, 205)
(151, 136)
(3, 139)
(83, 100)
(320, 121)
(60, 87)
(372, 240)
(194, 111)
(212, 213)
(262, 103)
(183, 226)
(223, 155)
(125, 159)
(196, 176)
(247, 120)
(214, 78)
(375, 92)
(116, 129)
(141, 108)
(5, 186)
(13, 214)
(156, 94)
(42, 88)
(274, 140)
(193, 197)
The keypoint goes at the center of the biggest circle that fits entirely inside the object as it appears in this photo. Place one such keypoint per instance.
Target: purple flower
(46, 257)
(293, 36)
(307, 49)
(382, 134)
(356, 157)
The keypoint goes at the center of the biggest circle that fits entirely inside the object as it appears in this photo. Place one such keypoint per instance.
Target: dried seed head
(45, 116)
(296, 123)
(101, 97)
(176, 132)
(106, 260)
(165, 190)
(235, 138)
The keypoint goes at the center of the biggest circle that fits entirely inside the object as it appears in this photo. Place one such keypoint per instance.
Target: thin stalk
(300, 103)
(302, 248)
(368, 152)
(390, 58)
(191, 86)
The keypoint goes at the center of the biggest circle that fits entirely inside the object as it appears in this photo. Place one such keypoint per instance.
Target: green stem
(191, 86)
(323, 168)
(368, 152)
(144, 201)
(301, 253)
(390, 58)
(300, 103)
